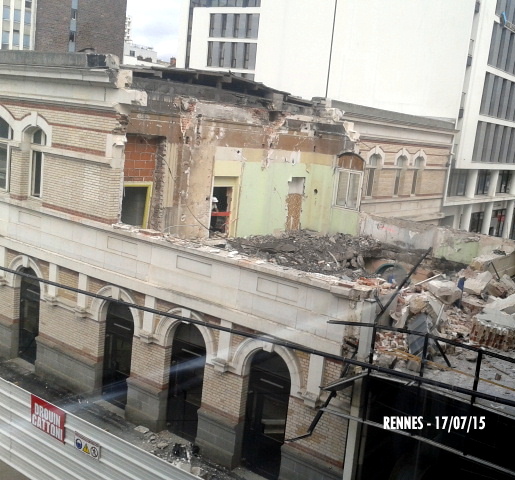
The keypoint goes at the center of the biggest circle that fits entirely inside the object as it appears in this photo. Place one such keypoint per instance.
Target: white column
(53, 276)
(508, 219)
(3, 263)
(224, 342)
(487, 218)
(465, 218)
(148, 317)
(471, 184)
(494, 178)
(81, 297)
(315, 376)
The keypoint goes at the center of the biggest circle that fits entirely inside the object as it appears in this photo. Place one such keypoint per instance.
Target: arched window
(38, 139)
(117, 353)
(266, 413)
(419, 165)
(186, 381)
(29, 316)
(373, 162)
(6, 134)
(348, 185)
(402, 163)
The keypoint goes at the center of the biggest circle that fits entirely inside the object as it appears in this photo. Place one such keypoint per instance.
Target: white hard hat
(214, 200)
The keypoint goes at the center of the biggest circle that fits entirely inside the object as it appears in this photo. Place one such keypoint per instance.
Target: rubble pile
(337, 254)
(474, 306)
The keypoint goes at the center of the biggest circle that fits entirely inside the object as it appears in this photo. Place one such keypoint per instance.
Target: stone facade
(407, 160)
(158, 282)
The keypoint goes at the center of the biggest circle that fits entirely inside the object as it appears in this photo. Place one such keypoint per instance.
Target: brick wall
(70, 279)
(327, 443)
(57, 323)
(140, 159)
(90, 189)
(100, 25)
(150, 363)
(52, 26)
(224, 393)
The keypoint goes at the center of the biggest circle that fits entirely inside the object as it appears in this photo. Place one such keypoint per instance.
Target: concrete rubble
(474, 306)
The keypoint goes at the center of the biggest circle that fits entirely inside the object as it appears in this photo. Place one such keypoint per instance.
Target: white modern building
(397, 59)
(18, 25)
(481, 190)
(453, 60)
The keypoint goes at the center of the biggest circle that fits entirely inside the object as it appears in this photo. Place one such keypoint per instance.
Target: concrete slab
(496, 317)
(446, 291)
(478, 284)
(506, 305)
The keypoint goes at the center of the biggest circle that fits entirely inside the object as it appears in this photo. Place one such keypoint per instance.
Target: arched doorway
(186, 381)
(266, 412)
(117, 353)
(29, 316)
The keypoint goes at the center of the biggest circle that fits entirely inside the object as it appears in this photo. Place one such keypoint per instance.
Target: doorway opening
(29, 316)
(186, 381)
(220, 210)
(266, 412)
(117, 354)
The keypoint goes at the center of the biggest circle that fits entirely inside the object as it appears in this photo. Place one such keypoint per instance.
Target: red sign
(47, 417)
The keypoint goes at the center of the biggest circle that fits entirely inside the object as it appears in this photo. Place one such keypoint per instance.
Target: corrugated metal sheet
(39, 456)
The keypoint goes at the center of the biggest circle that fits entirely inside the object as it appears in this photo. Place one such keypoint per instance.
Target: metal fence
(38, 455)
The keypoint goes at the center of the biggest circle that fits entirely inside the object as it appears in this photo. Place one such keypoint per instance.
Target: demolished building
(107, 290)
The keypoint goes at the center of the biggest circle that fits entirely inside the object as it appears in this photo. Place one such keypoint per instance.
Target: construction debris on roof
(346, 256)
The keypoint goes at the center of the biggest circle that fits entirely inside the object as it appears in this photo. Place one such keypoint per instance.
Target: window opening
(5, 153)
(36, 171)
(117, 354)
(483, 182)
(373, 162)
(186, 380)
(29, 316)
(220, 210)
(457, 183)
(349, 181)
(476, 222)
(419, 164)
(266, 413)
(402, 163)
(504, 182)
(135, 205)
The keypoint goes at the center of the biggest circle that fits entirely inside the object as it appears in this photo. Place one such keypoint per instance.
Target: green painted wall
(264, 188)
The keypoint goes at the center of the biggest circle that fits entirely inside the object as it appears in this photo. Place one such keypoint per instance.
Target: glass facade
(230, 25)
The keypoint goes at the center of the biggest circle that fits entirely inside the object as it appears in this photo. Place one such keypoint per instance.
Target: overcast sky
(155, 23)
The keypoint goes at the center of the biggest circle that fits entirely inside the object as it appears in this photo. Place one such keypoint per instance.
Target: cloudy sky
(155, 23)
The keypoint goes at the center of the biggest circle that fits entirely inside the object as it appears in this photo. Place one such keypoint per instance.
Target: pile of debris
(337, 254)
(476, 306)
